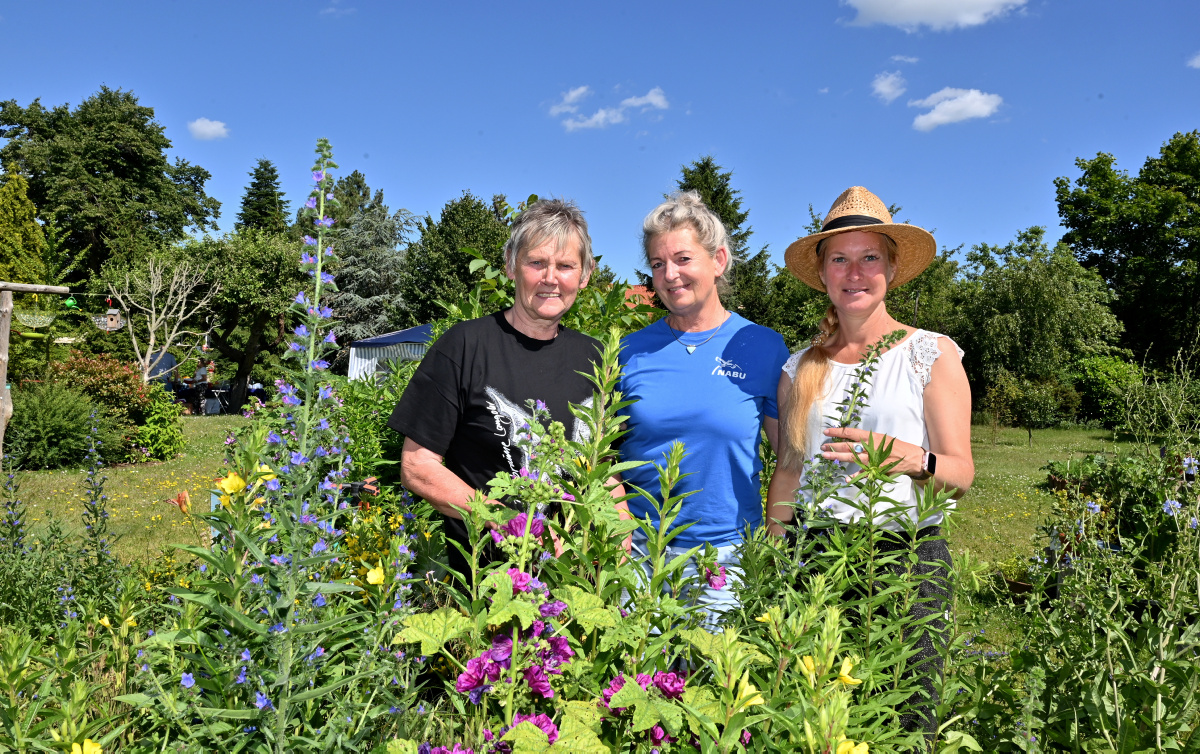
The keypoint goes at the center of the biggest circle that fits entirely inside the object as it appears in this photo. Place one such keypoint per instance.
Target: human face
(547, 281)
(685, 275)
(856, 271)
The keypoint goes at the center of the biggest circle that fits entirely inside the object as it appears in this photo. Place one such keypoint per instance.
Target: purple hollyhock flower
(425, 748)
(568, 497)
(536, 629)
(745, 737)
(187, 681)
(535, 676)
(644, 680)
(473, 676)
(560, 652)
(311, 203)
(658, 736)
(516, 526)
(501, 651)
(615, 685)
(520, 580)
(310, 241)
(715, 580)
(496, 537)
(552, 609)
(670, 684)
(545, 724)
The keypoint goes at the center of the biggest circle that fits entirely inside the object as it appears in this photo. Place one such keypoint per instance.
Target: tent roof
(418, 334)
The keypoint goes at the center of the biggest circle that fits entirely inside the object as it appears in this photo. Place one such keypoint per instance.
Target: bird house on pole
(110, 321)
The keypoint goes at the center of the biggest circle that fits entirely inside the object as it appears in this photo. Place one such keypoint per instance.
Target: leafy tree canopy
(101, 172)
(705, 177)
(435, 269)
(263, 205)
(1031, 310)
(1142, 234)
(21, 237)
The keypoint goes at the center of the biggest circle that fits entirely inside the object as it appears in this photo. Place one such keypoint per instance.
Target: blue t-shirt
(714, 401)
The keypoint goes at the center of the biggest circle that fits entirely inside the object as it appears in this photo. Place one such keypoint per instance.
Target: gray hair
(549, 219)
(685, 209)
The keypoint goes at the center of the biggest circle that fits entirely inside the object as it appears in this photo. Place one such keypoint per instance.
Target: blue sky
(961, 111)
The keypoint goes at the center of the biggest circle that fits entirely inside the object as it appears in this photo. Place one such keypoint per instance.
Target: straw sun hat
(859, 209)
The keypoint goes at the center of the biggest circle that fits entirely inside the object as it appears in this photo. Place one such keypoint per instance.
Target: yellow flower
(375, 575)
(844, 674)
(748, 696)
(848, 747)
(104, 622)
(232, 483)
(764, 618)
(257, 502)
(131, 622)
(225, 500)
(267, 474)
(810, 666)
(89, 747)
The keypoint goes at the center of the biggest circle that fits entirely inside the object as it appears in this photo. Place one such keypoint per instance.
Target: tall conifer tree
(263, 205)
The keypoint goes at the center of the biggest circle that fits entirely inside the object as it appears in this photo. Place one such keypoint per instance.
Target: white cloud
(888, 86)
(823, 90)
(335, 11)
(954, 105)
(1195, 61)
(939, 15)
(570, 100)
(655, 98)
(904, 59)
(206, 130)
(602, 118)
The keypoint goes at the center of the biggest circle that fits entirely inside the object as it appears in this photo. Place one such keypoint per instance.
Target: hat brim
(915, 249)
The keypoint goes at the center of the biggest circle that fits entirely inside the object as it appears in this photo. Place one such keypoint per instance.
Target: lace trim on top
(922, 350)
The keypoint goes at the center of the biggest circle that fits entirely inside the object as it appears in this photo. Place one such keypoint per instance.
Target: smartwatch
(928, 465)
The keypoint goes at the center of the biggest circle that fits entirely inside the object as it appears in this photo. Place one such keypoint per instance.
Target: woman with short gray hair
(705, 376)
(467, 402)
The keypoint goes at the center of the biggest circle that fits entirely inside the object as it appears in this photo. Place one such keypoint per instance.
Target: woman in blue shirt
(706, 377)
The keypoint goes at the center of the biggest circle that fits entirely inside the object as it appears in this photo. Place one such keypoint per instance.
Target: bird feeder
(33, 319)
(110, 321)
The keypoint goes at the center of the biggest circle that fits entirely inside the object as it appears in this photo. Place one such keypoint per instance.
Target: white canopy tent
(407, 345)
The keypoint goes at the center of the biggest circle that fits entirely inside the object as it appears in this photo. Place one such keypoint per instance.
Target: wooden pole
(6, 410)
(30, 288)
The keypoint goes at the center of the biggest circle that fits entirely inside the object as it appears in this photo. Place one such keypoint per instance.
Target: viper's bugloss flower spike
(311, 203)
(309, 241)
(318, 176)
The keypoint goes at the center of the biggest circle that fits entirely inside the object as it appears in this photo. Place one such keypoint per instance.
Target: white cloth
(895, 407)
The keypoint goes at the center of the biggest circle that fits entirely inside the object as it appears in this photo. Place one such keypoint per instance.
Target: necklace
(692, 348)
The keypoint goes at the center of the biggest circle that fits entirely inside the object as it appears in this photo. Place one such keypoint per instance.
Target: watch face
(932, 464)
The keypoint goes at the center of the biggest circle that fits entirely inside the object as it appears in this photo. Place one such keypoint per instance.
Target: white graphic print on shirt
(510, 418)
(726, 368)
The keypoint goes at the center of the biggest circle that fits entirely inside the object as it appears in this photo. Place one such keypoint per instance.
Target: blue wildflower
(331, 338)
(1093, 506)
(187, 681)
(245, 655)
(301, 331)
(1171, 507)
(319, 547)
(273, 438)
(273, 485)
(262, 701)
(310, 241)
(311, 203)
(319, 601)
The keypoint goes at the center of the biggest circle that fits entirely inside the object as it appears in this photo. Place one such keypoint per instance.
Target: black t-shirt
(467, 399)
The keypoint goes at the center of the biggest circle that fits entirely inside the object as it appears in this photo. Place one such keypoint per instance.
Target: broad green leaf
(518, 607)
(527, 737)
(628, 695)
(314, 693)
(957, 741)
(586, 608)
(707, 707)
(582, 713)
(433, 630)
(575, 738)
(401, 746)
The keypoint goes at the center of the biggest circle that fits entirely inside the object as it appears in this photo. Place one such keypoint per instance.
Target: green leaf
(401, 746)
(575, 738)
(434, 629)
(582, 713)
(956, 741)
(518, 607)
(628, 695)
(527, 737)
(314, 693)
(587, 609)
(703, 707)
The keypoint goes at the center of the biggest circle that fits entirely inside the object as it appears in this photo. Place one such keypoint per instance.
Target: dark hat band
(847, 221)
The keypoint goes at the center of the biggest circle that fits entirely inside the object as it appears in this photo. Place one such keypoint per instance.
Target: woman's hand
(849, 445)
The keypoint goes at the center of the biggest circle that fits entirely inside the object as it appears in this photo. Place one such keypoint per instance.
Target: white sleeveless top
(895, 407)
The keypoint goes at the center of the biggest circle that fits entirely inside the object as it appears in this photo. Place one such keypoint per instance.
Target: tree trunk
(1030, 431)
(6, 410)
(238, 385)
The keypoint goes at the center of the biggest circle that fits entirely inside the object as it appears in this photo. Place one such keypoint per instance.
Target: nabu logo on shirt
(728, 369)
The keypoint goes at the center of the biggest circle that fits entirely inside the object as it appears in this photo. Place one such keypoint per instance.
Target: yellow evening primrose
(232, 483)
(267, 474)
(131, 622)
(810, 666)
(225, 500)
(89, 747)
(748, 695)
(375, 575)
(848, 747)
(105, 622)
(844, 674)
(257, 502)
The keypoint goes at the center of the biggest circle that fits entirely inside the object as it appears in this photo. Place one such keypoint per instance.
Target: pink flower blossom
(716, 580)
(538, 682)
(546, 725)
(552, 609)
(670, 684)
(516, 526)
(520, 580)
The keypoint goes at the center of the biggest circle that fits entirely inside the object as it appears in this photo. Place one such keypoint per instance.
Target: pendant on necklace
(690, 349)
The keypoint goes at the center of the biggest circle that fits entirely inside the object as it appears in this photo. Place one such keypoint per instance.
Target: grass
(998, 517)
(139, 513)
(995, 520)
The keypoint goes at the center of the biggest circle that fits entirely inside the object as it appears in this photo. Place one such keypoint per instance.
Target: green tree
(263, 205)
(1142, 234)
(102, 173)
(929, 300)
(1031, 310)
(21, 238)
(258, 274)
(435, 269)
(704, 176)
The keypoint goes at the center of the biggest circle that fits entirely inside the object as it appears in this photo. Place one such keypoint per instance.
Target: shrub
(1103, 382)
(117, 388)
(50, 427)
(160, 437)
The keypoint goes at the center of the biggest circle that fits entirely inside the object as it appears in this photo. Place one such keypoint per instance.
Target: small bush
(50, 427)
(1103, 382)
(119, 391)
(161, 435)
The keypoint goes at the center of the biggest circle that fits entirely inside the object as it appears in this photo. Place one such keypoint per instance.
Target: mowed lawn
(995, 520)
(998, 517)
(139, 511)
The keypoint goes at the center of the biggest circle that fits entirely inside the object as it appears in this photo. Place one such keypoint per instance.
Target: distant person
(164, 370)
(705, 376)
(919, 399)
(466, 404)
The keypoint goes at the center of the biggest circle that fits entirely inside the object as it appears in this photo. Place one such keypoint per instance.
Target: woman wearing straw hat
(918, 400)
(704, 376)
